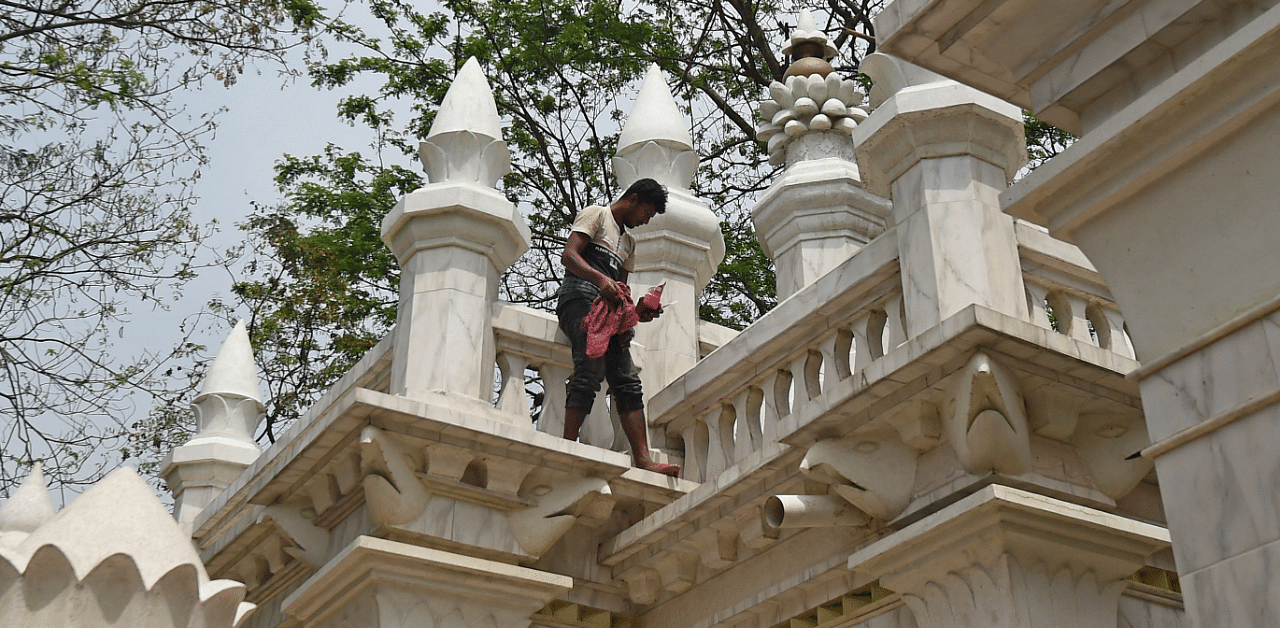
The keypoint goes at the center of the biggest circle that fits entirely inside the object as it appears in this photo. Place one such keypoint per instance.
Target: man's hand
(647, 313)
(611, 292)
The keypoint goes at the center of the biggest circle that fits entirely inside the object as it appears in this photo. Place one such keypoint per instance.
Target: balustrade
(747, 415)
(1088, 318)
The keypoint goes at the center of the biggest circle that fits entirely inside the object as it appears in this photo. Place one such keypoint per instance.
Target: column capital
(1000, 556)
(379, 583)
(937, 119)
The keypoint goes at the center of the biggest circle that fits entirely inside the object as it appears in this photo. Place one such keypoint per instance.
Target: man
(597, 259)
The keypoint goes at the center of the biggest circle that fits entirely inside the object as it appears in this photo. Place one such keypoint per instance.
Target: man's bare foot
(672, 470)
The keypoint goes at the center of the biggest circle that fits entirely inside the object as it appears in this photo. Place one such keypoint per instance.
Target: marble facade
(1168, 193)
(936, 427)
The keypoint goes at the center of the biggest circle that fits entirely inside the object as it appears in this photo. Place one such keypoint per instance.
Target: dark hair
(650, 192)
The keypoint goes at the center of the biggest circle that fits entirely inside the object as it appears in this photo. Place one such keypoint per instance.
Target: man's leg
(628, 397)
(636, 427)
(573, 418)
(580, 390)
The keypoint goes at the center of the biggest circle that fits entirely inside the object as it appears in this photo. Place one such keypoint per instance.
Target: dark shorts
(615, 367)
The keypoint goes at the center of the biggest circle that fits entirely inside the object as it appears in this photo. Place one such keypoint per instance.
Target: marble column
(227, 410)
(453, 238)
(377, 583)
(817, 213)
(1005, 558)
(682, 247)
(945, 152)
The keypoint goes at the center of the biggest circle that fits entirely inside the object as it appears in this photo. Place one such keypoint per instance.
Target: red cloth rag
(606, 320)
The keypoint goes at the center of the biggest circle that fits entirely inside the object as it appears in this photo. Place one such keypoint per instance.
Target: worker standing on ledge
(597, 259)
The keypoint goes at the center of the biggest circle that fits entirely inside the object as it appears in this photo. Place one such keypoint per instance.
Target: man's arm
(576, 264)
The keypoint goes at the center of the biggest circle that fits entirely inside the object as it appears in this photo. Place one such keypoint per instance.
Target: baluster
(777, 390)
(597, 428)
(1117, 340)
(513, 397)
(747, 431)
(895, 329)
(799, 381)
(717, 434)
(554, 396)
(876, 336)
(861, 341)
(1078, 329)
(695, 451)
(1036, 297)
(835, 357)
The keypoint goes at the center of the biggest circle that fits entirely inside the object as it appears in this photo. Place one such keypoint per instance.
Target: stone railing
(1066, 294)
(730, 404)
(533, 359)
(533, 355)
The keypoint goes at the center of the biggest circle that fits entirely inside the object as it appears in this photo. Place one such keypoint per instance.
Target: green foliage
(1044, 141)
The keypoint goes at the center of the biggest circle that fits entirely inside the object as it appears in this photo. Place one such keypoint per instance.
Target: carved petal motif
(465, 157)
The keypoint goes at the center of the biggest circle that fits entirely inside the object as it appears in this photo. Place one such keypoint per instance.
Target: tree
(96, 166)
(561, 71)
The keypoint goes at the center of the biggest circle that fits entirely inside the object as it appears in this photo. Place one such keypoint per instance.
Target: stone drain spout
(811, 511)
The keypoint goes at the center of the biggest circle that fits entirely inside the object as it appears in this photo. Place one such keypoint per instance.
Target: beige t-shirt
(611, 247)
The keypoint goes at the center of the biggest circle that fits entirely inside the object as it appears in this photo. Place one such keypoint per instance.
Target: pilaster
(945, 152)
(227, 410)
(453, 238)
(817, 213)
(682, 247)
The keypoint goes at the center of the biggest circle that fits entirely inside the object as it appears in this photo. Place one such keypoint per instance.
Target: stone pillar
(945, 151)
(228, 410)
(377, 583)
(1005, 558)
(682, 247)
(817, 214)
(453, 238)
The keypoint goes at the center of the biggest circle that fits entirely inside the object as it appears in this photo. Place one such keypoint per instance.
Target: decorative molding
(986, 419)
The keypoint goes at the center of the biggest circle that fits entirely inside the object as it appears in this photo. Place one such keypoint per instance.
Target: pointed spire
(465, 143)
(28, 508)
(655, 116)
(234, 373)
(468, 105)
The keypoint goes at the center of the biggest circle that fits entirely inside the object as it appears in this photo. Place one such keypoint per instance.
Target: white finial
(807, 31)
(28, 508)
(234, 373)
(468, 105)
(655, 141)
(465, 143)
(655, 116)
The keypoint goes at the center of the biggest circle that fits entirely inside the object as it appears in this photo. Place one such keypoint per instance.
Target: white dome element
(233, 373)
(468, 105)
(655, 117)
